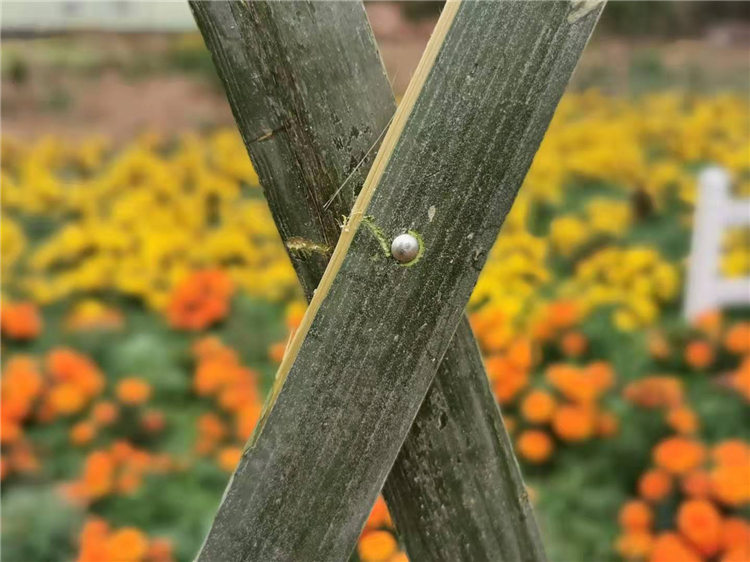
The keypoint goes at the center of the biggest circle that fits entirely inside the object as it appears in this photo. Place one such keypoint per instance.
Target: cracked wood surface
(458, 421)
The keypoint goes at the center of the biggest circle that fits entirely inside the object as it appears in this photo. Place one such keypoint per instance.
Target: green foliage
(38, 525)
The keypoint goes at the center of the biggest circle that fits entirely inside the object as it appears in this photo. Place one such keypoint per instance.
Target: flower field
(147, 299)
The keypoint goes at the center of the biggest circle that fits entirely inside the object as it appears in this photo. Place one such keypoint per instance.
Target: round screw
(404, 248)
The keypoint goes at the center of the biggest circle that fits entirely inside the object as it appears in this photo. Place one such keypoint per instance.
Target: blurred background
(147, 299)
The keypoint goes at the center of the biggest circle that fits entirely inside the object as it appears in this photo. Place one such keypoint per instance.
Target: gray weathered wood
(549, 51)
(456, 491)
(304, 141)
(465, 486)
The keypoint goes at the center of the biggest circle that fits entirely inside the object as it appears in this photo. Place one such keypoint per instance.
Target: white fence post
(715, 211)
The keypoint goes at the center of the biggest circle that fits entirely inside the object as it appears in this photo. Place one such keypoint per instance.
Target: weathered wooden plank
(456, 491)
(267, 531)
(304, 141)
(466, 487)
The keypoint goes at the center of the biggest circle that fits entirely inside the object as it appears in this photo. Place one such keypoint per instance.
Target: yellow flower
(568, 234)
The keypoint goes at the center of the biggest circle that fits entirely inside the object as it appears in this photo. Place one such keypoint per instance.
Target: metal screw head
(404, 248)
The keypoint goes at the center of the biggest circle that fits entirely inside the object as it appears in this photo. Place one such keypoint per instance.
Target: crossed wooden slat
(308, 91)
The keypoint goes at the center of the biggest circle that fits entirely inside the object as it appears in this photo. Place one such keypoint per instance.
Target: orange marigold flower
(122, 451)
(573, 423)
(67, 398)
(211, 427)
(574, 344)
(82, 433)
(601, 375)
(94, 528)
(582, 385)
(496, 366)
(739, 554)
(133, 391)
(379, 515)
(241, 393)
(538, 406)
(542, 330)
(127, 544)
(683, 420)
(564, 314)
(69, 366)
(21, 384)
(376, 546)
(636, 515)
(496, 338)
(211, 347)
(634, 545)
(735, 534)
(655, 392)
(93, 541)
(679, 454)
(709, 323)
(731, 452)
(669, 547)
(247, 419)
(211, 375)
(480, 320)
(731, 485)
(699, 354)
(10, 431)
(696, 484)
(98, 474)
(20, 321)
(654, 485)
(700, 523)
(509, 383)
(737, 338)
(566, 378)
(159, 550)
(105, 412)
(520, 354)
(139, 460)
(22, 376)
(200, 300)
(534, 445)
(229, 457)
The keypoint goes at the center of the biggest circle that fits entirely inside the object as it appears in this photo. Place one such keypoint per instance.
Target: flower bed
(147, 301)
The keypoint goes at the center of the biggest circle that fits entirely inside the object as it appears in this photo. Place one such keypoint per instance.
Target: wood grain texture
(465, 486)
(325, 530)
(304, 140)
(456, 491)
(462, 459)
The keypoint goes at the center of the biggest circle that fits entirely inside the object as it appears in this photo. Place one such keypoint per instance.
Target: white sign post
(715, 211)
